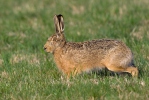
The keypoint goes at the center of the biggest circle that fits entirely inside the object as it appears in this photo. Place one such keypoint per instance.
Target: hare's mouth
(47, 50)
(44, 48)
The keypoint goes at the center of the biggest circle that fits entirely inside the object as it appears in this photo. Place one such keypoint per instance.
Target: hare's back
(103, 45)
(95, 48)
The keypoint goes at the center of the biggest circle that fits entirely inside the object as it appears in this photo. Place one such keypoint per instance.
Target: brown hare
(75, 57)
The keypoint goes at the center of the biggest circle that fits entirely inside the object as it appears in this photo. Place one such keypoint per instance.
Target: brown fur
(76, 57)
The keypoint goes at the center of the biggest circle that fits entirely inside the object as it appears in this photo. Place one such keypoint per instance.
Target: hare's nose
(44, 48)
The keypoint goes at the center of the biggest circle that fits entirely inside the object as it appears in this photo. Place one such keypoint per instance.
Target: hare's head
(56, 40)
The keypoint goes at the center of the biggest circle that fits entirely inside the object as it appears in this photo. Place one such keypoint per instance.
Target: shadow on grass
(105, 73)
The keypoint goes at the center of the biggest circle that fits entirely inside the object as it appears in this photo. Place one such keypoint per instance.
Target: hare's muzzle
(44, 48)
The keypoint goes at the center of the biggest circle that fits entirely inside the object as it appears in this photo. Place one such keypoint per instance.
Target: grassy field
(29, 73)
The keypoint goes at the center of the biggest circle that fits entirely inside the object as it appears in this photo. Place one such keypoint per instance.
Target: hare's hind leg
(115, 68)
(132, 70)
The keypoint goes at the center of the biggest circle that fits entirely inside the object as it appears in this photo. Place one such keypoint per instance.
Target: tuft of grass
(28, 73)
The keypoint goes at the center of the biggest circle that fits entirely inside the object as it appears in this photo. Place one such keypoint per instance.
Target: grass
(28, 73)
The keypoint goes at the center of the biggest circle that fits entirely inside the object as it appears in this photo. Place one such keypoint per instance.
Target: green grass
(29, 73)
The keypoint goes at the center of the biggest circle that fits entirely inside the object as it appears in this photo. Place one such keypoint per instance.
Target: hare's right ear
(59, 23)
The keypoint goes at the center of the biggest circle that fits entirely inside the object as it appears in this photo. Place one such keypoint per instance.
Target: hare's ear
(59, 23)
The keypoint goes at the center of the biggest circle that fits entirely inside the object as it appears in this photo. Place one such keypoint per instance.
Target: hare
(75, 57)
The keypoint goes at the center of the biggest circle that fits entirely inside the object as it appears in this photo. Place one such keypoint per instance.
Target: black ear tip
(60, 15)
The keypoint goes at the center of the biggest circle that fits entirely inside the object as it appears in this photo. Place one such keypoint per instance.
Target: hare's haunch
(76, 57)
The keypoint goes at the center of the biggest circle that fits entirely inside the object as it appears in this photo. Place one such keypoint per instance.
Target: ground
(29, 73)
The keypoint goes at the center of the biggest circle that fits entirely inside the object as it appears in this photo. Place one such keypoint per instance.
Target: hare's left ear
(59, 23)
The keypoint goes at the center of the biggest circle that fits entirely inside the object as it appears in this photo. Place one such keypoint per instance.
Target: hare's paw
(133, 71)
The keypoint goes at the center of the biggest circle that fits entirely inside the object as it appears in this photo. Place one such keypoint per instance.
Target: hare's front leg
(72, 72)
